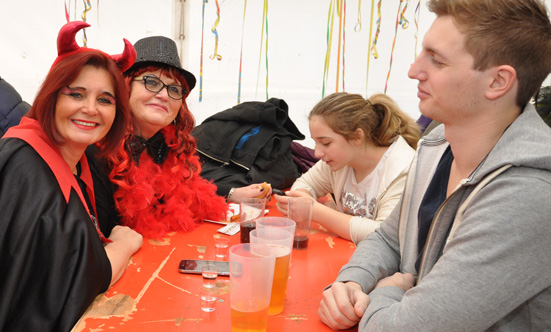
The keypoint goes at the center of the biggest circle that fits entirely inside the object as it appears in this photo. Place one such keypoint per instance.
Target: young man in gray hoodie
(468, 246)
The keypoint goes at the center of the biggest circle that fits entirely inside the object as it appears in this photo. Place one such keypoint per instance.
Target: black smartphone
(193, 266)
(278, 192)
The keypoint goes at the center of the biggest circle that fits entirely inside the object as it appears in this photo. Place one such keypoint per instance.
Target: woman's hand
(126, 242)
(127, 237)
(255, 190)
(283, 201)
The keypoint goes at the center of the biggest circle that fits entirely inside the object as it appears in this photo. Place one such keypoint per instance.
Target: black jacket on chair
(248, 143)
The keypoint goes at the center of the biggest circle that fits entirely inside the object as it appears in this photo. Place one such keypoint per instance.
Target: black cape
(52, 262)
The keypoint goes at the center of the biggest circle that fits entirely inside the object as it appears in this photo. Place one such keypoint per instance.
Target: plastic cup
(208, 299)
(277, 222)
(281, 243)
(221, 244)
(249, 211)
(300, 211)
(210, 273)
(251, 275)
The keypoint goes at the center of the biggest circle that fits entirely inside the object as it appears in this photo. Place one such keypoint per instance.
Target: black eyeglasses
(154, 84)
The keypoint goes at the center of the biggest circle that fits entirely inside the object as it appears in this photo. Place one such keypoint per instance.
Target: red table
(153, 296)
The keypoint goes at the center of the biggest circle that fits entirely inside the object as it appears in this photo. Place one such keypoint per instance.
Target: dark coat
(12, 107)
(248, 143)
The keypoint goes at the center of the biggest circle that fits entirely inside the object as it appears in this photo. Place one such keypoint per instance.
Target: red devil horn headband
(67, 45)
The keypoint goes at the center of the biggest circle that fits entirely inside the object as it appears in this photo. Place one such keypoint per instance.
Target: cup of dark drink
(300, 211)
(249, 211)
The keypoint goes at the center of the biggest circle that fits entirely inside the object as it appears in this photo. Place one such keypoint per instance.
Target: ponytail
(393, 122)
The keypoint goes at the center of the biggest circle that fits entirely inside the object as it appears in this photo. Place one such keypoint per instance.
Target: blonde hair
(379, 117)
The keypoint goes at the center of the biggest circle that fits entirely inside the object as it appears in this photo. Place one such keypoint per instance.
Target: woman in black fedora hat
(154, 182)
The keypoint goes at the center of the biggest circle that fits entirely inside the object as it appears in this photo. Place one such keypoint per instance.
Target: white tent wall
(30, 28)
(297, 45)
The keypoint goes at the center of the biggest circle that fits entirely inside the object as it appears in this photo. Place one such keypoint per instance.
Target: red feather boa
(157, 199)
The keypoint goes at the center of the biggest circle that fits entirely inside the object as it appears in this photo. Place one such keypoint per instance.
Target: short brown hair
(504, 32)
(379, 117)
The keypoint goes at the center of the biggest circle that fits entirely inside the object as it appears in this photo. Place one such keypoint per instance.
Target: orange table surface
(153, 296)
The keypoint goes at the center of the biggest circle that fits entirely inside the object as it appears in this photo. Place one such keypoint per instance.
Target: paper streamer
(416, 20)
(400, 21)
(403, 21)
(343, 42)
(241, 54)
(369, 43)
(338, 6)
(330, 19)
(97, 10)
(374, 47)
(266, 15)
(264, 26)
(67, 12)
(358, 26)
(342, 31)
(87, 8)
(340, 12)
(215, 32)
(201, 59)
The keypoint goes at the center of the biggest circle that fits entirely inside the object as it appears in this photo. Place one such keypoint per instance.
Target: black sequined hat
(162, 50)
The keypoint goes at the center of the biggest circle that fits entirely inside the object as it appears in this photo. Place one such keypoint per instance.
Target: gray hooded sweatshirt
(486, 265)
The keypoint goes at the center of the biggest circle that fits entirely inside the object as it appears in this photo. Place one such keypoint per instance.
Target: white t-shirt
(360, 199)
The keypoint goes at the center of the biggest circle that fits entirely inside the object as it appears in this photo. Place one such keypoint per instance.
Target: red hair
(185, 144)
(155, 199)
(185, 122)
(63, 74)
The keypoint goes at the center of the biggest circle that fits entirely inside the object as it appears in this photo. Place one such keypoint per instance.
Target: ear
(358, 136)
(503, 81)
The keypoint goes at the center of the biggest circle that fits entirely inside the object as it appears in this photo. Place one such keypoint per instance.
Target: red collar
(30, 131)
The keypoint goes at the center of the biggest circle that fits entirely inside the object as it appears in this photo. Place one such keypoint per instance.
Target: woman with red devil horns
(54, 260)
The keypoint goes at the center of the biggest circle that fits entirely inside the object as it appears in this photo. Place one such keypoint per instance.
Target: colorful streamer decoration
(216, 55)
(404, 23)
(369, 43)
(97, 10)
(338, 6)
(416, 20)
(201, 60)
(358, 26)
(87, 8)
(343, 42)
(330, 19)
(266, 54)
(264, 25)
(241, 54)
(374, 47)
(400, 21)
(66, 13)
(341, 11)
